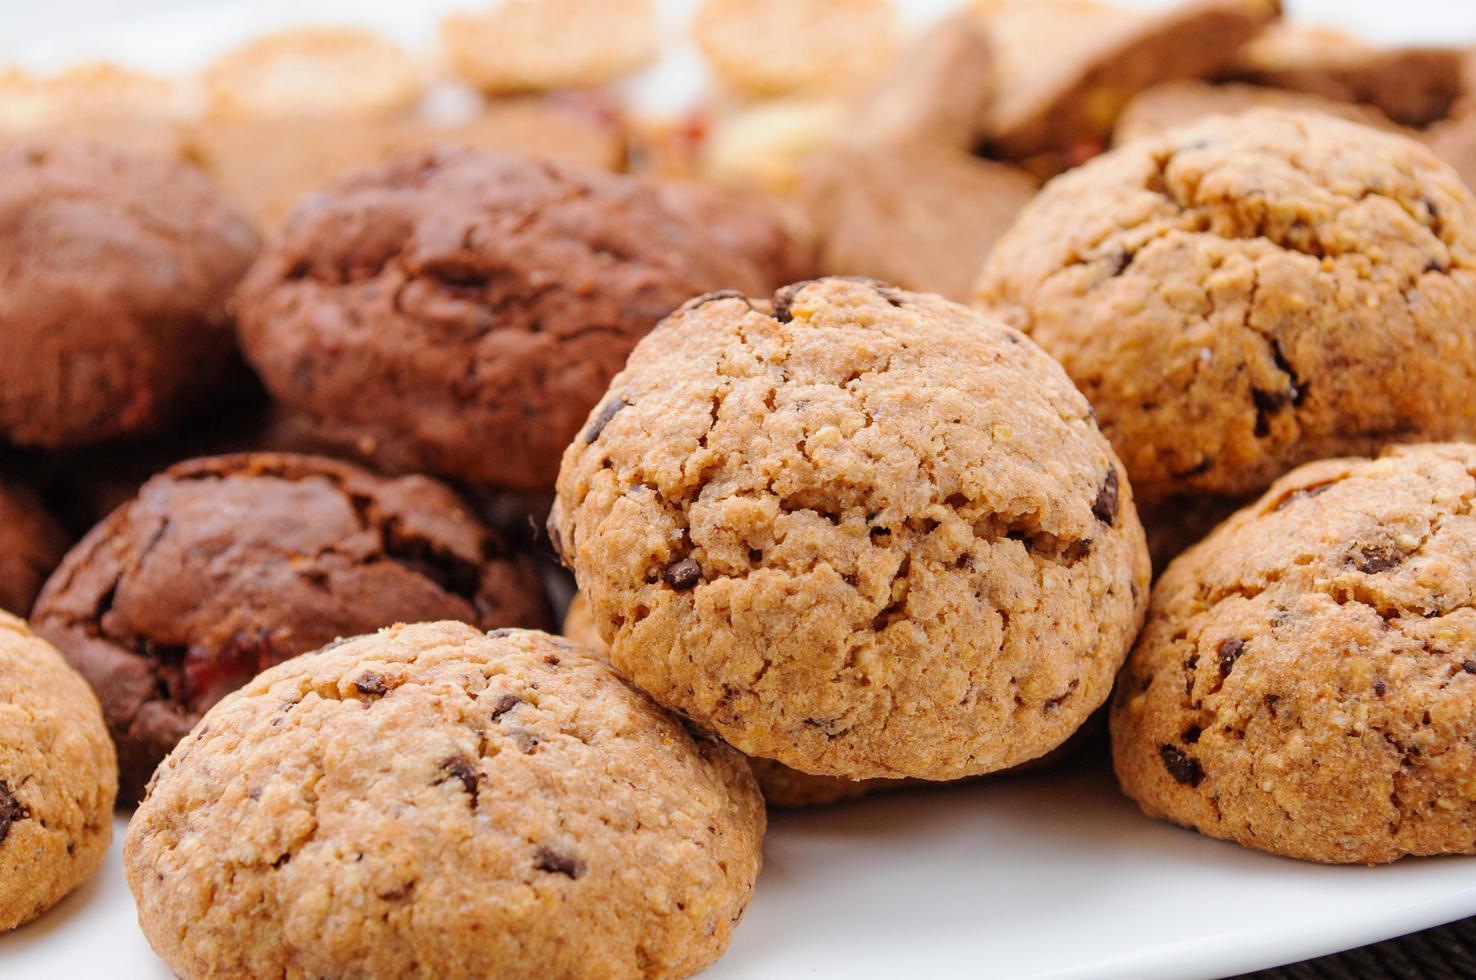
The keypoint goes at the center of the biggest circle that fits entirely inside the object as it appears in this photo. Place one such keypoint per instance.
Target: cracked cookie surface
(1246, 294)
(432, 800)
(484, 299)
(58, 777)
(1306, 680)
(118, 268)
(860, 531)
(224, 566)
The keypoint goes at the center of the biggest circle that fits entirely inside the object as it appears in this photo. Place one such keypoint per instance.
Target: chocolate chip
(713, 297)
(1121, 260)
(1379, 688)
(371, 685)
(1434, 266)
(556, 862)
(12, 811)
(1469, 666)
(1227, 653)
(505, 704)
(1372, 559)
(460, 768)
(1185, 770)
(1104, 508)
(682, 575)
(1191, 734)
(1077, 550)
(602, 419)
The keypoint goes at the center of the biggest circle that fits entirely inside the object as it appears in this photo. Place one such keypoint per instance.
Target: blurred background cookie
(32, 542)
(222, 567)
(1174, 104)
(117, 268)
(58, 777)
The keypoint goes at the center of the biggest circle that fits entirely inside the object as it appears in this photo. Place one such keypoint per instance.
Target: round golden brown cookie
(31, 545)
(860, 531)
(1306, 681)
(1174, 104)
(224, 566)
(58, 777)
(459, 312)
(781, 785)
(117, 268)
(1245, 294)
(432, 800)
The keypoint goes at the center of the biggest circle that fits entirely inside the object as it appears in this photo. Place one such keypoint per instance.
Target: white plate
(1050, 874)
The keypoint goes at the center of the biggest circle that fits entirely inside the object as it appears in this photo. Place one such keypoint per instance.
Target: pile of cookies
(847, 427)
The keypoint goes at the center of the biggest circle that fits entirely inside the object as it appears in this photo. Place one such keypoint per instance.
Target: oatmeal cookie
(224, 566)
(1306, 681)
(58, 777)
(545, 45)
(1248, 293)
(461, 311)
(118, 267)
(431, 800)
(867, 533)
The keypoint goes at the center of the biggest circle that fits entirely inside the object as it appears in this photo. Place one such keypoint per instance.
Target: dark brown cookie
(222, 567)
(31, 545)
(461, 311)
(116, 270)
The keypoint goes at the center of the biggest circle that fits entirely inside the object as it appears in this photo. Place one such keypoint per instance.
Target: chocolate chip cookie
(117, 267)
(31, 545)
(431, 800)
(58, 777)
(224, 566)
(1248, 293)
(1306, 681)
(461, 311)
(865, 532)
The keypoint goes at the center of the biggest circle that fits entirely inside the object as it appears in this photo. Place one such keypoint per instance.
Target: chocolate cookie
(117, 268)
(58, 777)
(31, 545)
(435, 801)
(1057, 111)
(861, 531)
(1306, 681)
(1247, 293)
(225, 566)
(461, 311)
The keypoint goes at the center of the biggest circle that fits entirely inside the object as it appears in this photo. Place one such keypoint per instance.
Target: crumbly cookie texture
(764, 48)
(781, 785)
(1306, 682)
(325, 72)
(435, 800)
(31, 545)
(484, 299)
(545, 45)
(120, 267)
(860, 531)
(1245, 294)
(1055, 112)
(58, 777)
(222, 567)
(1180, 103)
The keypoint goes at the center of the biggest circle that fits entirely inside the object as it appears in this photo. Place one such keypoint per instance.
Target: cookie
(58, 777)
(225, 566)
(1454, 141)
(935, 93)
(117, 268)
(100, 100)
(766, 146)
(780, 785)
(865, 532)
(546, 45)
(1412, 86)
(268, 166)
(1248, 293)
(316, 72)
(1055, 112)
(1174, 104)
(1305, 683)
(922, 217)
(431, 800)
(31, 545)
(777, 47)
(462, 311)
